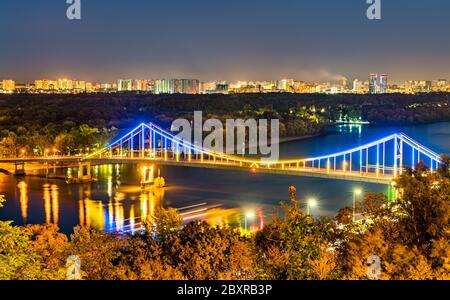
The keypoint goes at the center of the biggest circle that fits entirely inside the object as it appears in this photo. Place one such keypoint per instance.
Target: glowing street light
(311, 203)
(356, 192)
(249, 216)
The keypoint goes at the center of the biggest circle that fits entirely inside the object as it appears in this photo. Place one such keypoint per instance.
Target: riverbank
(300, 138)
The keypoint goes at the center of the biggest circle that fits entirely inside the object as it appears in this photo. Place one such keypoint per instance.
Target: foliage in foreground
(411, 237)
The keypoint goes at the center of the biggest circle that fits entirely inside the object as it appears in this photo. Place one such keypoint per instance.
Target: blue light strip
(193, 148)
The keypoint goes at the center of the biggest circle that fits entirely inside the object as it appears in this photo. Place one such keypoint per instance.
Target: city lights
(376, 84)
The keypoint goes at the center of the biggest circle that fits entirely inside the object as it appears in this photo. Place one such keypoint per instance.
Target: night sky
(228, 39)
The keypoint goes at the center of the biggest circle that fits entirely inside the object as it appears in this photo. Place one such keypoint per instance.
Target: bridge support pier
(84, 172)
(19, 168)
(147, 177)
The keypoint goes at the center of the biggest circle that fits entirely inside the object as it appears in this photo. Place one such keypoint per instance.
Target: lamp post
(249, 215)
(311, 203)
(356, 192)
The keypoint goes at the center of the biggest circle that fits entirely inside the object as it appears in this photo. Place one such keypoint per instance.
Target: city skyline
(307, 40)
(376, 84)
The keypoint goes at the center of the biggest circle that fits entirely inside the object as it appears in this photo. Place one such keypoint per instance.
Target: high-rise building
(65, 84)
(211, 86)
(9, 86)
(140, 85)
(164, 86)
(285, 85)
(45, 85)
(124, 85)
(189, 86)
(373, 83)
(383, 84)
(357, 86)
(79, 85)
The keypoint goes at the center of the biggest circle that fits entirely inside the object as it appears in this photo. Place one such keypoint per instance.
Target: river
(116, 203)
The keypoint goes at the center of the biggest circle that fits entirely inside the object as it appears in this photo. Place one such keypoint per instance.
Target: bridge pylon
(19, 168)
(84, 173)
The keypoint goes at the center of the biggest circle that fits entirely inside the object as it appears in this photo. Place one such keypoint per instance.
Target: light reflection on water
(124, 210)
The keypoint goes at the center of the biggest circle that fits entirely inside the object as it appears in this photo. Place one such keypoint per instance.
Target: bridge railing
(385, 157)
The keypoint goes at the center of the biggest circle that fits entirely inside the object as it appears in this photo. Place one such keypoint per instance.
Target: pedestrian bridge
(380, 161)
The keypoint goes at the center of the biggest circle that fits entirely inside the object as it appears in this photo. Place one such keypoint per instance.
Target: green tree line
(38, 122)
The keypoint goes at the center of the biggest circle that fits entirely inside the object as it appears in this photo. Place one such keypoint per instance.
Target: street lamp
(356, 192)
(249, 216)
(311, 203)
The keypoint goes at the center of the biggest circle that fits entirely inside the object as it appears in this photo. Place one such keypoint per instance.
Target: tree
(99, 253)
(444, 169)
(202, 252)
(141, 260)
(51, 246)
(17, 261)
(359, 247)
(344, 215)
(410, 236)
(65, 142)
(9, 146)
(164, 224)
(289, 248)
(425, 208)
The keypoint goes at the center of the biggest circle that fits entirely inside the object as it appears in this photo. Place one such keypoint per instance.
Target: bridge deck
(292, 171)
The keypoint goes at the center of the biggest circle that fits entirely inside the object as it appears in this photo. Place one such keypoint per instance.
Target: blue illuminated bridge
(380, 161)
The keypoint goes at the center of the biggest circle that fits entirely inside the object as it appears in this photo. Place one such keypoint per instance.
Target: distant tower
(373, 83)
(357, 85)
(383, 83)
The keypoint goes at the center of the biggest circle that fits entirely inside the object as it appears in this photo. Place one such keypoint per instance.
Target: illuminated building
(45, 85)
(164, 86)
(79, 85)
(190, 86)
(9, 86)
(212, 87)
(357, 86)
(65, 84)
(440, 85)
(373, 84)
(285, 85)
(383, 84)
(139, 85)
(124, 85)
(377, 84)
(89, 87)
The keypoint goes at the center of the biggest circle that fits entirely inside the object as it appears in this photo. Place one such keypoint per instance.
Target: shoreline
(300, 138)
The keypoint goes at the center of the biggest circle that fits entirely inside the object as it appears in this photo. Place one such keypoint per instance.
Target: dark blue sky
(226, 39)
